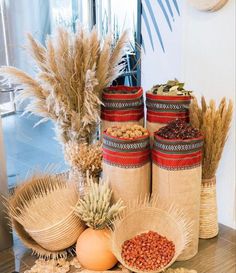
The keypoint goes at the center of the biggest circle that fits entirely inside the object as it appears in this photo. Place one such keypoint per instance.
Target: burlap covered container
(122, 105)
(163, 109)
(176, 176)
(208, 210)
(126, 164)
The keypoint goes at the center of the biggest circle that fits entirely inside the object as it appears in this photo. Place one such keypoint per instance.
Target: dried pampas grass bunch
(84, 158)
(95, 209)
(214, 124)
(73, 69)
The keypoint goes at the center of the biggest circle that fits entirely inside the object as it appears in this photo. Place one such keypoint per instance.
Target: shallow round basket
(44, 207)
(144, 220)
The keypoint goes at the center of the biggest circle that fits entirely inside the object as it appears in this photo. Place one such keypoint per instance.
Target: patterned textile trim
(122, 115)
(177, 147)
(176, 153)
(177, 162)
(128, 93)
(151, 105)
(122, 104)
(123, 145)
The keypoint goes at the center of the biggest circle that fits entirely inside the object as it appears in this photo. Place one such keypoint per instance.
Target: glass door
(7, 104)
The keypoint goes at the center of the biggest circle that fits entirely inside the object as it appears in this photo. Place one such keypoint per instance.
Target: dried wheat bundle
(95, 209)
(84, 158)
(180, 270)
(73, 69)
(44, 206)
(151, 215)
(214, 123)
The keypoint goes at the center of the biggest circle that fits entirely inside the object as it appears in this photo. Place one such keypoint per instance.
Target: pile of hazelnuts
(148, 251)
(127, 131)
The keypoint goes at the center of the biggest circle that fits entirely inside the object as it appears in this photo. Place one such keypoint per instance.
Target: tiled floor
(217, 255)
(27, 147)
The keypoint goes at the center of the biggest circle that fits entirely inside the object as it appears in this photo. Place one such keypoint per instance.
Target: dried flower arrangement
(95, 209)
(214, 124)
(73, 69)
(84, 158)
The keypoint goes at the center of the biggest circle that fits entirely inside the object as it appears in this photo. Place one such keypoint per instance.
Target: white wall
(201, 52)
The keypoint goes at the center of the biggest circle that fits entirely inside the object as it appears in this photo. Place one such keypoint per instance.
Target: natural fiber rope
(208, 209)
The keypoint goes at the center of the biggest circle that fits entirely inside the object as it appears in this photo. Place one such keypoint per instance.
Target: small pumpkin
(94, 251)
(93, 246)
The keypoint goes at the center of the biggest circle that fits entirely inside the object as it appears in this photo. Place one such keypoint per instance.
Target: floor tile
(28, 148)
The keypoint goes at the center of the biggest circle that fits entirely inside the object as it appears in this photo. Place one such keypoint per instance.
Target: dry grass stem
(214, 124)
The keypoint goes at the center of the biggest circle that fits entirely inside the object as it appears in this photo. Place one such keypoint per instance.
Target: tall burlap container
(208, 209)
(163, 109)
(176, 177)
(123, 106)
(126, 164)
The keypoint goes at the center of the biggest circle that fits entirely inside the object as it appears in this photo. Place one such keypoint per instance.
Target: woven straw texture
(128, 183)
(208, 209)
(183, 188)
(166, 220)
(44, 207)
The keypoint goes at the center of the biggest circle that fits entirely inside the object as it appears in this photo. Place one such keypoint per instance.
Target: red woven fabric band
(126, 153)
(178, 162)
(175, 154)
(168, 98)
(132, 159)
(122, 115)
(117, 96)
(165, 117)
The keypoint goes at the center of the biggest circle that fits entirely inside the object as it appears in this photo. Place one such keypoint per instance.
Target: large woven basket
(167, 222)
(208, 209)
(44, 206)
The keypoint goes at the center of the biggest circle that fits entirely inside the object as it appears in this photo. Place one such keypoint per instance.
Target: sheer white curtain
(22, 17)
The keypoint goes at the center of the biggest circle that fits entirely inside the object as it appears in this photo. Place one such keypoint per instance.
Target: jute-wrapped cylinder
(176, 177)
(208, 210)
(126, 164)
(163, 109)
(122, 105)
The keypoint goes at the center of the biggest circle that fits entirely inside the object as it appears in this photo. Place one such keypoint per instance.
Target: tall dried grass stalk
(73, 69)
(214, 123)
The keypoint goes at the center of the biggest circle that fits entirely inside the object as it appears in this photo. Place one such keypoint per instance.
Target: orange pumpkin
(93, 250)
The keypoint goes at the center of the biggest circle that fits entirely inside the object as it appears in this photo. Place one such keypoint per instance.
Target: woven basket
(169, 223)
(208, 209)
(54, 199)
